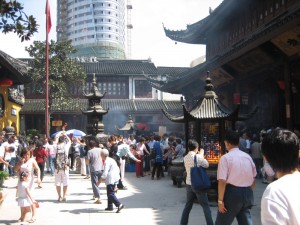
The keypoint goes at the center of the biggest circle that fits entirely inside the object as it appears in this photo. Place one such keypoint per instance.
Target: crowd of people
(272, 155)
(30, 159)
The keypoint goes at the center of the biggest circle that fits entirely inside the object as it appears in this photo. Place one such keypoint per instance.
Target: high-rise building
(96, 27)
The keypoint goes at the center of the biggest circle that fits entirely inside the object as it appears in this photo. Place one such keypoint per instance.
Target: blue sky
(148, 39)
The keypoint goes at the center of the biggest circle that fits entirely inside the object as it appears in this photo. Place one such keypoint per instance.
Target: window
(142, 89)
(115, 87)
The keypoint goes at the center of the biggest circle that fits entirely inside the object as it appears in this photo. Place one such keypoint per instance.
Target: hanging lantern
(6, 82)
(281, 84)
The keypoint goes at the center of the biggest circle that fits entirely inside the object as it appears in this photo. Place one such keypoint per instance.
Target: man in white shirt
(280, 203)
(195, 154)
(111, 175)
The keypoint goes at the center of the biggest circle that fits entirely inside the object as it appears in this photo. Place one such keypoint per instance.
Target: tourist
(191, 194)
(96, 168)
(157, 158)
(111, 175)
(25, 198)
(82, 155)
(280, 202)
(179, 149)
(3, 162)
(50, 149)
(236, 181)
(28, 164)
(62, 167)
(40, 155)
(45, 145)
(124, 150)
(141, 150)
(256, 155)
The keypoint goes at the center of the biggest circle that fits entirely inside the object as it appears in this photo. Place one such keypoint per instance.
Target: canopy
(76, 133)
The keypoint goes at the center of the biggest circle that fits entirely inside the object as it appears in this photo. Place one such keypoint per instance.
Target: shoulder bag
(199, 177)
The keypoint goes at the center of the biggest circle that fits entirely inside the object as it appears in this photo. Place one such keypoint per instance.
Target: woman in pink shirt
(51, 156)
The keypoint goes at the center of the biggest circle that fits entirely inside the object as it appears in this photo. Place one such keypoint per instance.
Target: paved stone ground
(147, 202)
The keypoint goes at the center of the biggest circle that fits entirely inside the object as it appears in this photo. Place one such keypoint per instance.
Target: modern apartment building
(96, 27)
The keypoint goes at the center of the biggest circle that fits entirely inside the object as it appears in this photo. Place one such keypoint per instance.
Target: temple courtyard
(147, 202)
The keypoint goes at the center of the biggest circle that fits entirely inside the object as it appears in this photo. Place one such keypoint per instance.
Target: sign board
(57, 123)
(13, 112)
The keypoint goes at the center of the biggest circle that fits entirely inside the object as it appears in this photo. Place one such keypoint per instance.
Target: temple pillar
(287, 94)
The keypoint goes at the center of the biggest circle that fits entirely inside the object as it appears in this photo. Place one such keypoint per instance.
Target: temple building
(252, 52)
(127, 92)
(13, 74)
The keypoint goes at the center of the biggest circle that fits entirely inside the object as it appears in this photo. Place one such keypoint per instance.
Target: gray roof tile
(121, 67)
(32, 106)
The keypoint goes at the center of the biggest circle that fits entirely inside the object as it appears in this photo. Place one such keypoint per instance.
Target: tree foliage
(14, 19)
(66, 75)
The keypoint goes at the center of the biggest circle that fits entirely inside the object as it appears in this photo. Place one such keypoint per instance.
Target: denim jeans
(51, 164)
(203, 200)
(12, 162)
(238, 202)
(111, 197)
(42, 169)
(95, 176)
(88, 171)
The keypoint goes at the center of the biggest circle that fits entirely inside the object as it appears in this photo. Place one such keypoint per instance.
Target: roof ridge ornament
(209, 93)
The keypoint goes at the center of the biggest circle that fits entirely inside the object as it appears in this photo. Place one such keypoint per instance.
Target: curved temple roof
(129, 125)
(195, 33)
(13, 69)
(190, 35)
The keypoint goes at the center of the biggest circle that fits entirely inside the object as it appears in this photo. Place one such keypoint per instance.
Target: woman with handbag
(191, 193)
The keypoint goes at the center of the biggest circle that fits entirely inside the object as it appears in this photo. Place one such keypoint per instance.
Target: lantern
(6, 82)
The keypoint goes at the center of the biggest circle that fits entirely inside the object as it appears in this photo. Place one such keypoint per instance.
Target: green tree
(66, 75)
(14, 19)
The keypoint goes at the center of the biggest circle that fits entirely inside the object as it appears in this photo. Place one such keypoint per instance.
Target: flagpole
(47, 70)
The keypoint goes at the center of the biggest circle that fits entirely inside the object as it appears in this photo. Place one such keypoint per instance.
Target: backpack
(61, 159)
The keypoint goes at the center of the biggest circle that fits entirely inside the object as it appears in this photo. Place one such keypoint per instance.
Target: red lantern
(281, 84)
(6, 82)
(236, 98)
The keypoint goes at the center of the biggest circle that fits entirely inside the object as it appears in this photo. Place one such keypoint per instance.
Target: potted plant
(3, 176)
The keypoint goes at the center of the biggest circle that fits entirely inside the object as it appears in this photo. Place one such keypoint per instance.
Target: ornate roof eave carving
(229, 54)
(189, 35)
(196, 33)
(18, 68)
(176, 83)
(167, 85)
(177, 119)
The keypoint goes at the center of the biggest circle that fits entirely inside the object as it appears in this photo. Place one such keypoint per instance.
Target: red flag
(48, 17)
